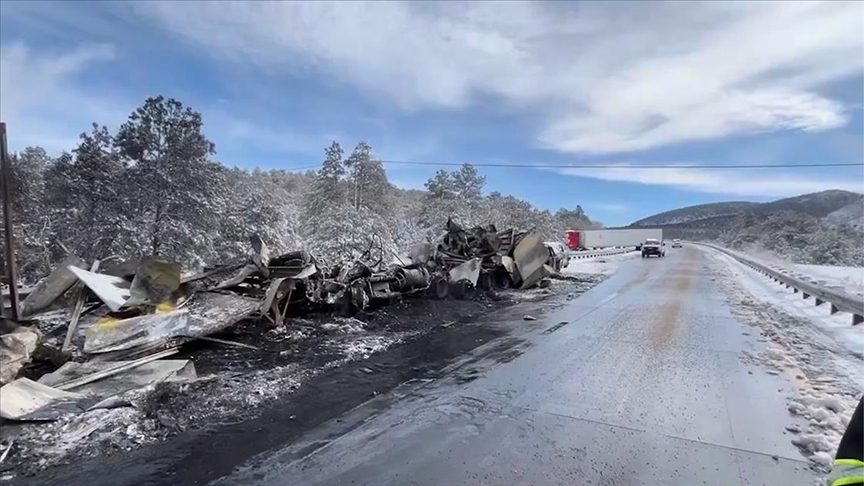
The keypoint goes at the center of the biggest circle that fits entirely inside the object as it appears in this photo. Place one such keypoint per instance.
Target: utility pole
(11, 270)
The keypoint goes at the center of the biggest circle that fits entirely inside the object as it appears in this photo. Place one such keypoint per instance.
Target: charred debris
(122, 318)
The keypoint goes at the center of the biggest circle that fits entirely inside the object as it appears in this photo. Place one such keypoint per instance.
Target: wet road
(638, 381)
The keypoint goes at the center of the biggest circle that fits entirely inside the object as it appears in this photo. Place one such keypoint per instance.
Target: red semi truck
(572, 239)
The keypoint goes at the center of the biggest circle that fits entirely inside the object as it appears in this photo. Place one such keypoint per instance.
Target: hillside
(824, 228)
(850, 215)
(695, 213)
(818, 204)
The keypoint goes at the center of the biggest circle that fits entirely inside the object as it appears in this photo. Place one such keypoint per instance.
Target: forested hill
(820, 228)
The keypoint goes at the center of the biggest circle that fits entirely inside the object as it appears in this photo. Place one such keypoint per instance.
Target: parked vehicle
(653, 246)
(558, 256)
(676, 243)
(608, 238)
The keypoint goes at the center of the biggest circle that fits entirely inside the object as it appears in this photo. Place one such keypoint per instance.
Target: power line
(610, 166)
(308, 167)
(649, 166)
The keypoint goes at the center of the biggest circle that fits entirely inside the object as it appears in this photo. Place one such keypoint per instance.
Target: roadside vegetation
(154, 186)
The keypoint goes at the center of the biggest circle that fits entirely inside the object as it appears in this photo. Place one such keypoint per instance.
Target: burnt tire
(503, 281)
(463, 290)
(484, 282)
(439, 288)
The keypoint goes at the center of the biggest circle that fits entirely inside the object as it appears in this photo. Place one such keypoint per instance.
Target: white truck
(591, 239)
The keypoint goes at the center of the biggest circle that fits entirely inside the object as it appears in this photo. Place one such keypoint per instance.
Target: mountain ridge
(822, 228)
(817, 204)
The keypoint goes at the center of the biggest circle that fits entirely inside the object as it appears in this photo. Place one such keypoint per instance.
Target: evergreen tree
(175, 183)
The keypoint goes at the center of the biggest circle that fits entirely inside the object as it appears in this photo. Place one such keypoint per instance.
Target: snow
(827, 416)
(45, 444)
(603, 265)
(837, 326)
(365, 347)
(822, 352)
(850, 278)
(851, 215)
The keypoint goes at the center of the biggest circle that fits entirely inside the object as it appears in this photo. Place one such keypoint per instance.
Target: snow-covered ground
(603, 265)
(850, 278)
(838, 326)
(823, 355)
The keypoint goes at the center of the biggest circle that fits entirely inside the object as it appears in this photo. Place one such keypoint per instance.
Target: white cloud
(41, 102)
(739, 182)
(600, 77)
(47, 101)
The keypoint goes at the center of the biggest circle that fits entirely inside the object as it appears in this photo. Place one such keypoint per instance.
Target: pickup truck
(653, 247)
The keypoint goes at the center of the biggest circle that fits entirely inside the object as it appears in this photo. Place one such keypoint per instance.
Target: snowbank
(603, 265)
(850, 278)
(821, 354)
(837, 326)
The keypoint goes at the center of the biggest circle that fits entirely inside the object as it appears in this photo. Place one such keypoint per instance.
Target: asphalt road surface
(638, 381)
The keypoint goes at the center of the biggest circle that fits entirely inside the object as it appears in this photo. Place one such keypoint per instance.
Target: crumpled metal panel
(530, 256)
(469, 271)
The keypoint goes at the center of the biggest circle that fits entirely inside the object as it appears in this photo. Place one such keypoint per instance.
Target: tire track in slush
(658, 339)
(664, 335)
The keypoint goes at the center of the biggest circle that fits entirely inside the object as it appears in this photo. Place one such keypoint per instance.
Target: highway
(638, 381)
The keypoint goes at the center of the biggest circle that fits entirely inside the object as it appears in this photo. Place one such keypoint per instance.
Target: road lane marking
(608, 298)
(662, 434)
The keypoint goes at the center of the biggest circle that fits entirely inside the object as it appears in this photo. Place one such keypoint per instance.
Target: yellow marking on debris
(107, 322)
(164, 307)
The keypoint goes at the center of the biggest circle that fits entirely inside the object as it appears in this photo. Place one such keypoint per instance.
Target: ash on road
(641, 380)
(644, 384)
(249, 402)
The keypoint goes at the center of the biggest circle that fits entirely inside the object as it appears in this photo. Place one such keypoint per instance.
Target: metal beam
(11, 269)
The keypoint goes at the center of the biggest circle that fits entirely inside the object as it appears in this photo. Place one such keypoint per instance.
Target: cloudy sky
(617, 84)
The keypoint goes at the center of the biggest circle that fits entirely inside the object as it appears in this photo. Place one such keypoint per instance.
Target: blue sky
(617, 83)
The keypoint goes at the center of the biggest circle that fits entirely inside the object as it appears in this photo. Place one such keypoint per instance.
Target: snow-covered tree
(30, 219)
(175, 183)
(89, 197)
(152, 188)
(369, 180)
(468, 184)
(440, 186)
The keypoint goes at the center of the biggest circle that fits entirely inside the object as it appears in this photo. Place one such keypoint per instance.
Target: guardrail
(578, 255)
(840, 301)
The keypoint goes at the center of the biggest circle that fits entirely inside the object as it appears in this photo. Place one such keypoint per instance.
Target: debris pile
(122, 318)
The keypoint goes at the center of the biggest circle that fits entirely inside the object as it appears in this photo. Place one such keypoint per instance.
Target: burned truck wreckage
(463, 262)
(111, 317)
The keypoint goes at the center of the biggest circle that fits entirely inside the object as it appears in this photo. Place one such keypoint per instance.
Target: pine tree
(440, 186)
(174, 180)
(30, 221)
(369, 180)
(468, 184)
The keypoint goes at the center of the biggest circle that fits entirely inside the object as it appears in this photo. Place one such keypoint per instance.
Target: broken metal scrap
(151, 304)
(52, 287)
